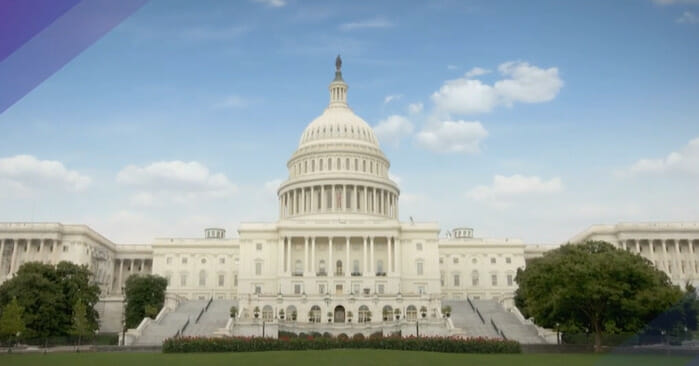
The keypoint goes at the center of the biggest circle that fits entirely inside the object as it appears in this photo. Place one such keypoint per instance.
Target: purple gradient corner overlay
(39, 37)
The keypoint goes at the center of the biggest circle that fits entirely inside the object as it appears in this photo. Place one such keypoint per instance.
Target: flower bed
(254, 344)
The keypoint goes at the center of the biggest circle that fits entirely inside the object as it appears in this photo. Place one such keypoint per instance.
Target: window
(258, 246)
(411, 313)
(456, 260)
(421, 290)
(183, 280)
(457, 280)
(474, 278)
(221, 279)
(492, 260)
(321, 288)
(355, 266)
(167, 278)
(258, 268)
(258, 289)
(508, 260)
(338, 268)
(168, 260)
(441, 278)
(222, 260)
(235, 280)
(509, 280)
(379, 266)
(420, 268)
(65, 248)
(314, 314)
(298, 267)
(441, 260)
(202, 278)
(321, 266)
(474, 260)
(203, 261)
(418, 246)
(297, 288)
(363, 314)
(338, 289)
(184, 260)
(380, 288)
(494, 279)
(355, 288)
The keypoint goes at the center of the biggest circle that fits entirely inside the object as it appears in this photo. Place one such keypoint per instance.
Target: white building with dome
(337, 260)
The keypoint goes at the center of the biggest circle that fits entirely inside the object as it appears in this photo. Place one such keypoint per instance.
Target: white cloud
(523, 83)
(476, 71)
(391, 98)
(233, 101)
(24, 174)
(415, 108)
(174, 182)
(365, 24)
(394, 178)
(688, 17)
(453, 137)
(272, 3)
(392, 129)
(685, 161)
(506, 188)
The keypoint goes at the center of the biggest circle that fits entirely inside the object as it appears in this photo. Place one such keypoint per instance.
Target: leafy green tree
(595, 287)
(142, 291)
(11, 323)
(48, 293)
(81, 326)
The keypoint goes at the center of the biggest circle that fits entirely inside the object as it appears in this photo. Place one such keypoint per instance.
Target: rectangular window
(222, 260)
(380, 288)
(338, 289)
(418, 246)
(321, 288)
(456, 260)
(220, 280)
(235, 280)
(258, 246)
(457, 280)
(421, 290)
(355, 288)
(258, 289)
(508, 260)
(509, 280)
(494, 280)
(492, 260)
(297, 288)
(169, 260)
(65, 248)
(258, 268)
(184, 260)
(419, 268)
(183, 280)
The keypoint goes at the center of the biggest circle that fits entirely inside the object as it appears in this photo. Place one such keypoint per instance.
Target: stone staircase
(212, 319)
(156, 332)
(466, 318)
(507, 323)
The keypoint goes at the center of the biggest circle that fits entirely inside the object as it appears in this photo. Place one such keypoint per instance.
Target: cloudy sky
(520, 119)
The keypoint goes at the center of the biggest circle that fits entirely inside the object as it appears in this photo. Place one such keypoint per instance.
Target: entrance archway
(339, 314)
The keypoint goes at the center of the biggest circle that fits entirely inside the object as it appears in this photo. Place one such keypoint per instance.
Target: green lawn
(334, 357)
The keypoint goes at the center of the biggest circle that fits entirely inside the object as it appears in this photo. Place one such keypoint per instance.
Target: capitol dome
(338, 167)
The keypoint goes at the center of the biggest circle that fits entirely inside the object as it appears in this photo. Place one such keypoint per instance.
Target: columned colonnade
(675, 256)
(13, 252)
(347, 198)
(338, 248)
(124, 267)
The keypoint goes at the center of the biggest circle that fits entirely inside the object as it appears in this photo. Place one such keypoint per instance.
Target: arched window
(364, 316)
(411, 313)
(298, 267)
(202, 278)
(291, 313)
(314, 314)
(338, 268)
(267, 313)
(387, 313)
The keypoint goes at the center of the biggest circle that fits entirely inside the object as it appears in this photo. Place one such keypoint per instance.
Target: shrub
(252, 344)
(358, 337)
(342, 337)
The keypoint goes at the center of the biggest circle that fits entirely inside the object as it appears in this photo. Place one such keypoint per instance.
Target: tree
(594, 287)
(11, 323)
(143, 292)
(47, 293)
(81, 326)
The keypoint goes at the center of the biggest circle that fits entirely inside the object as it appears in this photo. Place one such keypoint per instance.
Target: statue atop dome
(338, 63)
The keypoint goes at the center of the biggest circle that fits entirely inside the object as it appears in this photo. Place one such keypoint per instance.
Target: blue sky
(521, 119)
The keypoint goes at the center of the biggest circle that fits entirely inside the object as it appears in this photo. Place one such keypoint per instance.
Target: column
(313, 255)
(365, 268)
(638, 246)
(331, 266)
(676, 258)
(288, 254)
(348, 268)
(397, 207)
(14, 256)
(304, 209)
(322, 198)
(374, 210)
(2, 254)
(650, 245)
(389, 245)
(371, 255)
(312, 201)
(397, 259)
(280, 256)
(366, 199)
(121, 273)
(343, 201)
(332, 198)
(305, 254)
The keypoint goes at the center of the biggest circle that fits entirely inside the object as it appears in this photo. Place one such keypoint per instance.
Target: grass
(334, 357)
